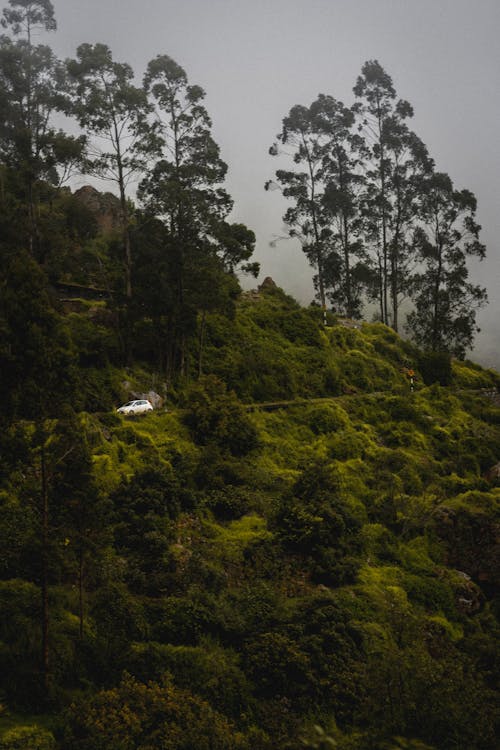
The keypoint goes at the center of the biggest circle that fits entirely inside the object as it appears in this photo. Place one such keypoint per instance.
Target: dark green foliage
(215, 415)
(278, 667)
(467, 524)
(435, 367)
(295, 538)
(144, 511)
(138, 715)
(28, 738)
(327, 418)
(318, 523)
(229, 502)
(209, 671)
(315, 575)
(274, 366)
(37, 371)
(366, 204)
(19, 636)
(332, 644)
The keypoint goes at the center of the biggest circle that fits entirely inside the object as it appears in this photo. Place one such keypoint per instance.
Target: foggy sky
(257, 58)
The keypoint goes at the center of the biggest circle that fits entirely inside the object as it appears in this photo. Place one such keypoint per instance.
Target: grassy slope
(399, 465)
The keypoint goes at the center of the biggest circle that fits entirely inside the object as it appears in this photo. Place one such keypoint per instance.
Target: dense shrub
(142, 716)
(215, 415)
(435, 367)
(27, 738)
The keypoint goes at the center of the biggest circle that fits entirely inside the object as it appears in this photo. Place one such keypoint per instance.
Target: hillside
(295, 549)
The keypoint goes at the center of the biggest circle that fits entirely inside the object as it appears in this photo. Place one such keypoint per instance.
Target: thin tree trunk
(344, 234)
(348, 289)
(381, 287)
(44, 581)
(322, 297)
(394, 283)
(384, 221)
(201, 343)
(317, 240)
(80, 593)
(127, 245)
(435, 322)
(395, 257)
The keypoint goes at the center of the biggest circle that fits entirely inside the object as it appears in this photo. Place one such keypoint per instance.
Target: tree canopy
(361, 197)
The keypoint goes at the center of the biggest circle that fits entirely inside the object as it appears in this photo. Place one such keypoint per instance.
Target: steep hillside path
(491, 394)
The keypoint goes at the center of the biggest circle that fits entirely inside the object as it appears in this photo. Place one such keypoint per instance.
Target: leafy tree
(78, 514)
(27, 15)
(307, 217)
(396, 159)
(319, 523)
(142, 716)
(28, 738)
(60, 498)
(113, 110)
(32, 90)
(435, 367)
(184, 190)
(118, 619)
(144, 509)
(345, 265)
(278, 666)
(213, 287)
(444, 318)
(33, 341)
(216, 416)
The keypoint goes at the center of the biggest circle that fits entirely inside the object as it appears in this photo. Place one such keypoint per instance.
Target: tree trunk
(80, 592)
(437, 285)
(347, 264)
(395, 283)
(44, 561)
(201, 342)
(380, 286)
(384, 220)
(317, 240)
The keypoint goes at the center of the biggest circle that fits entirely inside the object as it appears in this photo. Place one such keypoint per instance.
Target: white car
(140, 406)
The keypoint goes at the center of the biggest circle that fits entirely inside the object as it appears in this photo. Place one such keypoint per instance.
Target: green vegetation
(313, 544)
(299, 546)
(375, 219)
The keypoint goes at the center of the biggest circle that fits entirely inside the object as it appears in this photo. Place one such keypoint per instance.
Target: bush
(215, 415)
(435, 367)
(27, 738)
(135, 715)
(326, 418)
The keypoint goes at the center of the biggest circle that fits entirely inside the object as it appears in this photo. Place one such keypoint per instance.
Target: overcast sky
(257, 58)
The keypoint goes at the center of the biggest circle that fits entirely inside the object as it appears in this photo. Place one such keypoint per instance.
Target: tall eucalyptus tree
(113, 111)
(184, 189)
(444, 318)
(32, 90)
(307, 217)
(325, 192)
(345, 264)
(396, 159)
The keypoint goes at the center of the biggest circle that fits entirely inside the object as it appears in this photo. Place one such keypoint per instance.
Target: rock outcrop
(105, 207)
